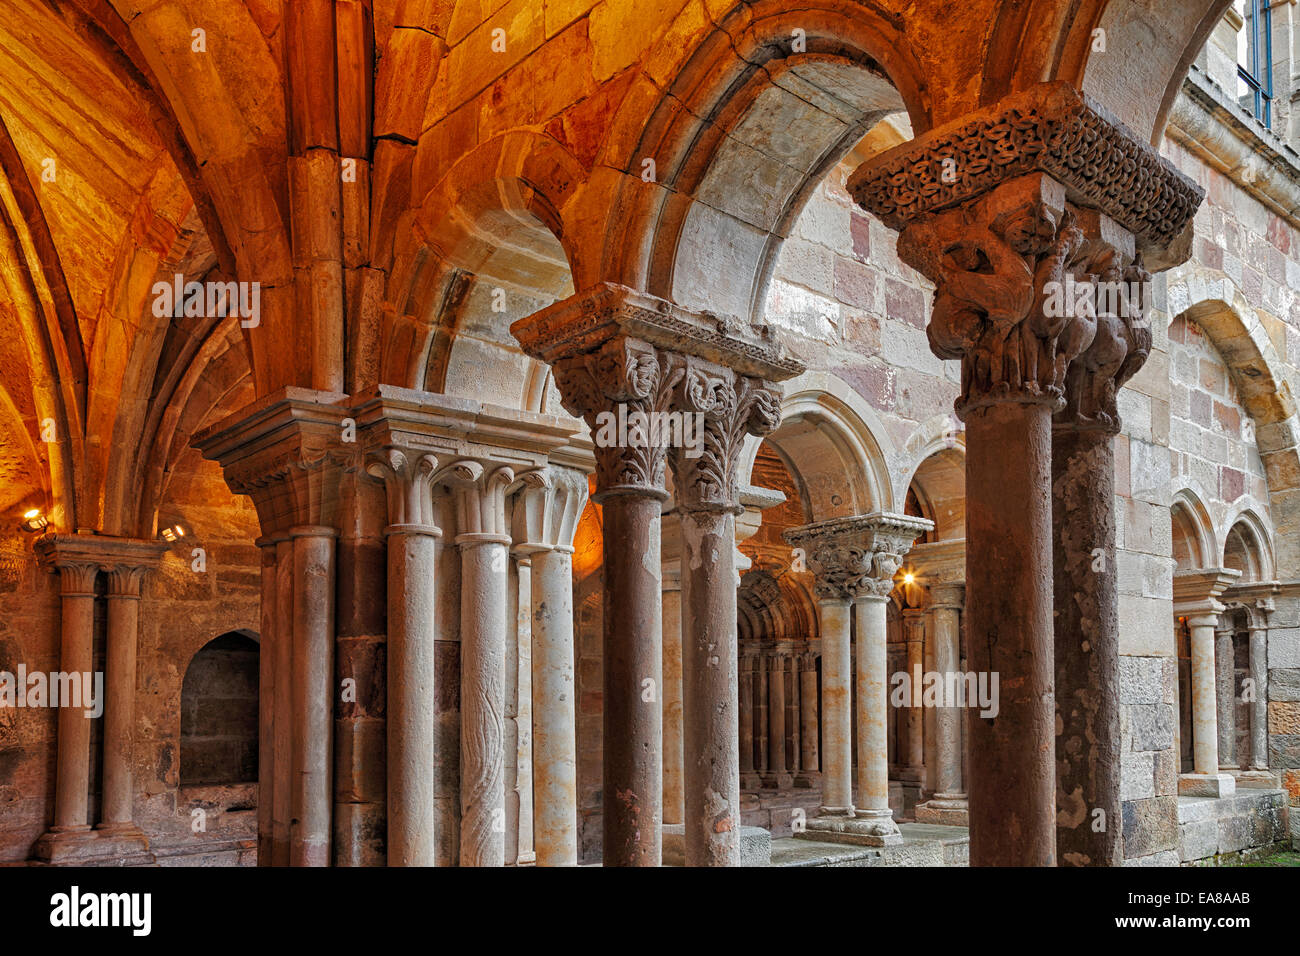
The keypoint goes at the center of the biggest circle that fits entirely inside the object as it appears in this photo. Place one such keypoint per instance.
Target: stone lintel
(449, 427)
(1198, 592)
(938, 563)
(1050, 128)
(106, 551)
(877, 531)
(274, 450)
(584, 322)
(857, 556)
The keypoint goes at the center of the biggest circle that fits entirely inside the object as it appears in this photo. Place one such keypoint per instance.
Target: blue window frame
(1255, 59)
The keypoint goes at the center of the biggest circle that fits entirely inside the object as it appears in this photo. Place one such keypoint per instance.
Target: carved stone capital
(547, 508)
(479, 490)
(287, 451)
(626, 359)
(408, 477)
(857, 557)
(1006, 208)
(728, 408)
(78, 558)
(1050, 128)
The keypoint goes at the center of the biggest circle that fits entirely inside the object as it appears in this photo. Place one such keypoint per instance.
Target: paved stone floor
(924, 844)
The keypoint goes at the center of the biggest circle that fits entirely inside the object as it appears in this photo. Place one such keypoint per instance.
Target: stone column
(267, 646)
(837, 728)
(282, 764)
(856, 559)
(412, 545)
(948, 805)
(914, 636)
(930, 752)
(76, 656)
(726, 408)
(480, 491)
(1196, 599)
(808, 759)
(119, 714)
(760, 712)
(1259, 678)
(313, 694)
(1224, 667)
(776, 766)
(1003, 247)
(873, 706)
(748, 778)
(623, 360)
(1086, 594)
(546, 516)
(1205, 708)
(674, 768)
(525, 850)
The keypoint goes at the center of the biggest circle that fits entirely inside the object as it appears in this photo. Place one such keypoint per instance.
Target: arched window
(219, 713)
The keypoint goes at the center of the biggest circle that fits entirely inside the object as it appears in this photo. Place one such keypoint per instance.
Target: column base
(807, 781)
(1258, 779)
(1206, 785)
(122, 845)
(945, 809)
(864, 828)
(750, 780)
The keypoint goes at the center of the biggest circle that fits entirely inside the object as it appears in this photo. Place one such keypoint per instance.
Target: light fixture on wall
(909, 577)
(172, 533)
(34, 522)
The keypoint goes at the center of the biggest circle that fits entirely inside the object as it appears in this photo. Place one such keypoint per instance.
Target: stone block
(1284, 751)
(1235, 833)
(1166, 772)
(1284, 647)
(1284, 684)
(1137, 775)
(1150, 826)
(1196, 841)
(1283, 717)
(1151, 726)
(1206, 785)
(1141, 680)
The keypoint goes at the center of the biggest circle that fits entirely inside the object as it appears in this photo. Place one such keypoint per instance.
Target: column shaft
(555, 777)
(76, 632)
(674, 768)
(776, 717)
(267, 647)
(915, 713)
(119, 713)
(632, 719)
(709, 691)
(808, 760)
(1259, 706)
(282, 810)
(1225, 666)
(837, 757)
(483, 599)
(1009, 616)
(746, 715)
(313, 695)
(947, 719)
(1205, 731)
(411, 716)
(873, 710)
(1086, 647)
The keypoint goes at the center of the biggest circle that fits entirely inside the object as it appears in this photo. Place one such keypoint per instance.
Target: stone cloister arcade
(483, 234)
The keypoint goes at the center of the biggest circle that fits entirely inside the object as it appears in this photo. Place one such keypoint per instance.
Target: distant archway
(219, 725)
